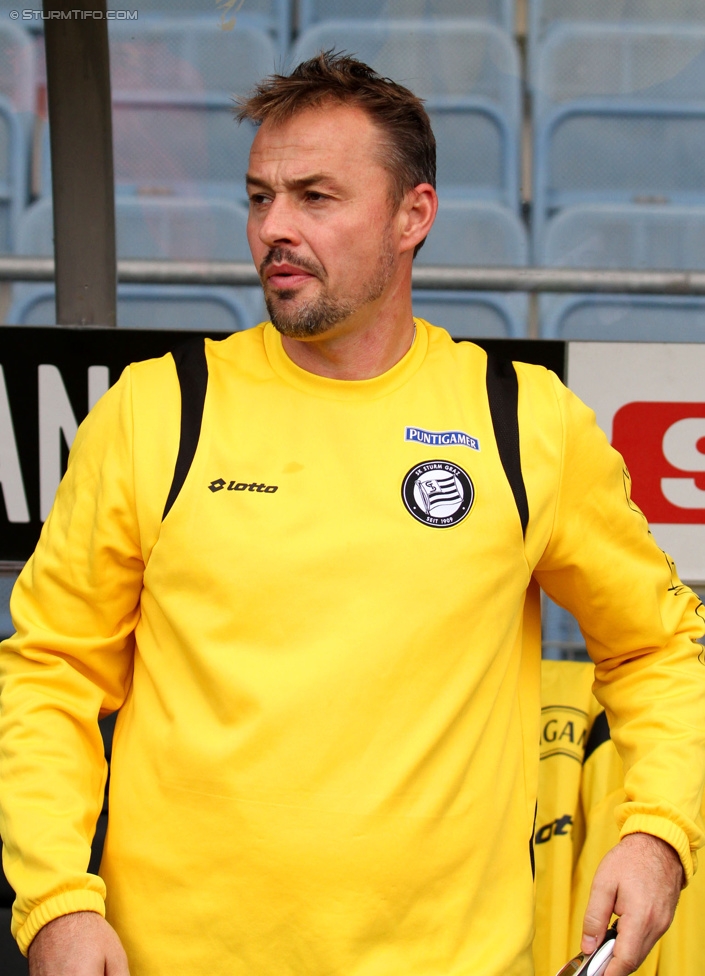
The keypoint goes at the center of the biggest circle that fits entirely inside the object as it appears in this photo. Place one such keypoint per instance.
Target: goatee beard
(318, 315)
(310, 319)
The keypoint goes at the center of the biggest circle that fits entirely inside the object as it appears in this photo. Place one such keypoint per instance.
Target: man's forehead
(330, 131)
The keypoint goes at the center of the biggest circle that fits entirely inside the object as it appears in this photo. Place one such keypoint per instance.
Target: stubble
(299, 319)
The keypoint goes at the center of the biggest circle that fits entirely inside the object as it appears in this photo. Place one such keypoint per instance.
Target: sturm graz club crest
(438, 493)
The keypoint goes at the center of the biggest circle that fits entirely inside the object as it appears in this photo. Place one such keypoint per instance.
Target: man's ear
(417, 213)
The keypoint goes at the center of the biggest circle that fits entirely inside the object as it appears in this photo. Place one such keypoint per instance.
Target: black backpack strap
(503, 396)
(192, 371)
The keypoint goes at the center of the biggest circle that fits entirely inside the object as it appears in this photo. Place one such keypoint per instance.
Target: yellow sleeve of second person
(679, 951)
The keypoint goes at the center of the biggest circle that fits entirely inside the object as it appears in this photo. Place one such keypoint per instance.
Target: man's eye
(314, 196)
(257, 199)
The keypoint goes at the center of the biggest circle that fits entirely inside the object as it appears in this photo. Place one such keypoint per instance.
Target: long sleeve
(640, 625)
(74, 607)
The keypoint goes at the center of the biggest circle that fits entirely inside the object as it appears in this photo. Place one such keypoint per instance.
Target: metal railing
(566, 280)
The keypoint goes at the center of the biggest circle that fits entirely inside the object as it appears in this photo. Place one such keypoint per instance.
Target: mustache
(282, 255)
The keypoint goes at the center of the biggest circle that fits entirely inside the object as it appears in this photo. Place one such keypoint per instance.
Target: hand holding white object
(639, 880)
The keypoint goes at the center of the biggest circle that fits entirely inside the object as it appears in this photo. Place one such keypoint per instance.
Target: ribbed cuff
(645, 823)
(66, 903)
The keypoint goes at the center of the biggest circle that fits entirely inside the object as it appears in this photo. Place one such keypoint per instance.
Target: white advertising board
(649, 399)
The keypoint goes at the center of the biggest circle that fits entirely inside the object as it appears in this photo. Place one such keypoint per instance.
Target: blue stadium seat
(625, 236)
(619, 116)
(468, 73)
(629, 319)
(18, 73)
(18, 82)
(173, 85)
(14, 167)
(157, 228)
(179, 146)
(545, 15)
(470, 233)
(190, 55)
(149, 307)
(500, 12)
(272, 16)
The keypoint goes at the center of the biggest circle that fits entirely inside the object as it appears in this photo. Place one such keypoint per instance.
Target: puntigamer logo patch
(438, 493)
(441, 438)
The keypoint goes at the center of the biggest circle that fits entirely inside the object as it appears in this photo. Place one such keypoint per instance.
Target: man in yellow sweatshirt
(325, 651)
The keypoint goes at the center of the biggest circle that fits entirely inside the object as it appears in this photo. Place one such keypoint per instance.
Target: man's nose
(279, 224)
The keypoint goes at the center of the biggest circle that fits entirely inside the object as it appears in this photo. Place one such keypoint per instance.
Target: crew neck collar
(334, 389)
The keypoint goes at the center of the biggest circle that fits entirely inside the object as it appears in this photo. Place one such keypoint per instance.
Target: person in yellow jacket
(581, 783)
(324, 654)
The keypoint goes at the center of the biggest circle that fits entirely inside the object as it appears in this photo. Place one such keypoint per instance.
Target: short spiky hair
(409, 149)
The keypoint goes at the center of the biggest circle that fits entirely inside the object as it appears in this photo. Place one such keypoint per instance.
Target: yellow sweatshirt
(580, 786)
(326, 754)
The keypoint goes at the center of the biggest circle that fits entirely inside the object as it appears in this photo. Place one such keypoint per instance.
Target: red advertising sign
(649, 399)
(663, 444)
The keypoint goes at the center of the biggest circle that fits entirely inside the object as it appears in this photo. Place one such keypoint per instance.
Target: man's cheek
(663, 445)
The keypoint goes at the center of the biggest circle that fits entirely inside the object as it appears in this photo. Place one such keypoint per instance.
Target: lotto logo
(663, 445)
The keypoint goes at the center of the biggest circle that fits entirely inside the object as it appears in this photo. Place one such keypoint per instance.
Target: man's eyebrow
(301, 183)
